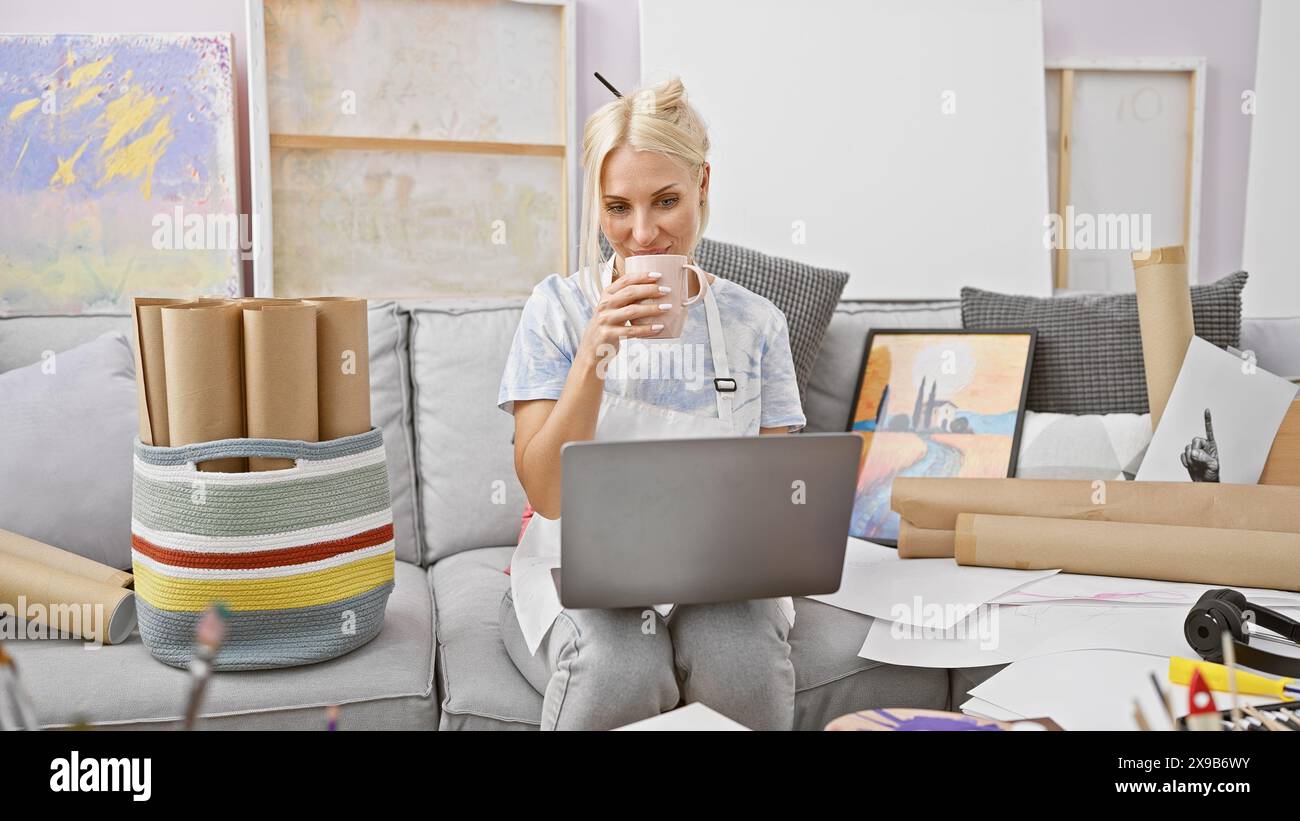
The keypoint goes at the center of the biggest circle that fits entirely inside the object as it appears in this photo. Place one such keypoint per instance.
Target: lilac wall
(1227, 35)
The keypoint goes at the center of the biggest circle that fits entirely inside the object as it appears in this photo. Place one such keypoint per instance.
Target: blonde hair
(657, 118)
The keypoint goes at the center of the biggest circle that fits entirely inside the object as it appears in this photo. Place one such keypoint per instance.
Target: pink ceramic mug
(674, 269)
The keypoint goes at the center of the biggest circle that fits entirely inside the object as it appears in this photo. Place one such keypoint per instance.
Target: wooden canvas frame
(1195, 68)
(262, 140)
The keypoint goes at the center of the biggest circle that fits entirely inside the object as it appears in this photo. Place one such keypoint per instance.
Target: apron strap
(723, 384)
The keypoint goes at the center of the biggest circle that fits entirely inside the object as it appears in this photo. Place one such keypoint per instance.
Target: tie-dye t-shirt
(670, 373)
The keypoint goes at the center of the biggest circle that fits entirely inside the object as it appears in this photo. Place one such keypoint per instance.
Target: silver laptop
(705, 519)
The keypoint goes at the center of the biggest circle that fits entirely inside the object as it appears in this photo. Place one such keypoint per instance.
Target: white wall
(1271, 253)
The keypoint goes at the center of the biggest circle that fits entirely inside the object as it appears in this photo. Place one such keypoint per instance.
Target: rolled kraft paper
(67, 602)
(1203, 555)
(343, 366)
(922, 543)
(21, 547)
(150, 373)
(1164, 300)
(1283, 464)
(279, 375)
(203, 341)
(934, 503)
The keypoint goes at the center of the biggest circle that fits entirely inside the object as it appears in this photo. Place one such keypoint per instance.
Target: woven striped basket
(302, 558)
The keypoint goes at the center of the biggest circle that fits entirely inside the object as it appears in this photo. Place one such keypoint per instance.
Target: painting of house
(932, 403)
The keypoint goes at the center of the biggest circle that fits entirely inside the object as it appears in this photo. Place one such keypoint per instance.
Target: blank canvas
(901, 141)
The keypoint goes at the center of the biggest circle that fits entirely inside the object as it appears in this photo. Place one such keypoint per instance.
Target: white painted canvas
(1272, 204)
(898, 140)
(1220, 421)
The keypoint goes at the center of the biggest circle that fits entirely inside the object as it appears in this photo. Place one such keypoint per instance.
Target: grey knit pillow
(805, 294)
(1088, 358)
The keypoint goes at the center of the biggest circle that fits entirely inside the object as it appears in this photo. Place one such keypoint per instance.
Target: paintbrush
(1265, 719)
(606, 84)
(1230, 661)
(207, 641)
(1139, 717)
(1164, 702)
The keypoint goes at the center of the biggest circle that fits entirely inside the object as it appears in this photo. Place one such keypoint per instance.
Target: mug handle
(704, 284)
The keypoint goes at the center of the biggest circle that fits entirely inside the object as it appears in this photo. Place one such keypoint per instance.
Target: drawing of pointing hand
(1201, 457)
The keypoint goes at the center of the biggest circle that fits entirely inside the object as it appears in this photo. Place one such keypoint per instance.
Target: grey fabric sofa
(439, 662)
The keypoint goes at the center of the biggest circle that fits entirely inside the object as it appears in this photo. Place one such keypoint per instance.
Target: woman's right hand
(618, 305)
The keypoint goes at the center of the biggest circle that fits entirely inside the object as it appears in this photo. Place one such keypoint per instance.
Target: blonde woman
(646, 189)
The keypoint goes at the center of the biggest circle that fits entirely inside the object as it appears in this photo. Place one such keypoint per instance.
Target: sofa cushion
(385, 684)
(835, 376)
(805, 294)
(69, 422)
(390, 408)
(1088, 357)
(480, 688)
(469, 493)
(1275, 341)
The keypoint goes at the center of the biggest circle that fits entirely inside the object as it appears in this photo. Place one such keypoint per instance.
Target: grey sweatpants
(602, 668)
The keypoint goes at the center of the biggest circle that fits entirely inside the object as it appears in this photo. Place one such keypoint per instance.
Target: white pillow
(1084, 446)
(67, 427)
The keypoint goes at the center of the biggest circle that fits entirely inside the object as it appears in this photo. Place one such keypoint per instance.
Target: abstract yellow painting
(118, 170)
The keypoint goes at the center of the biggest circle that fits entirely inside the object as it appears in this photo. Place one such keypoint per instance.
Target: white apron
(537, 604)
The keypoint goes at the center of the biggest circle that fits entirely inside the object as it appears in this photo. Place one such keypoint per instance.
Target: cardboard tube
(933, 503)
(19, 546)
(1283, 464)
(922, 543)
(203, 341)
(1203, 555)
(150, 373)
(280, 375)
(67, 602)
(1164, 300)
(343, 366)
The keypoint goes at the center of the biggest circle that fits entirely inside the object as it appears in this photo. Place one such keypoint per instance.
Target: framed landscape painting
(935, 403)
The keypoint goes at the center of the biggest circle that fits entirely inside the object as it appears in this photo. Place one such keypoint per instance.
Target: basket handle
(268, 448)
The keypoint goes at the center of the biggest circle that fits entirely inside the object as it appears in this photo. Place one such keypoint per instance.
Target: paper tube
(922, 543)
(1203, 555)
(43, 589)
(14, 544)
(343, 366)
(933, 503)
(1164, 301)
(279, 375)
(205, 386)
(150, 374)
(1283, 464)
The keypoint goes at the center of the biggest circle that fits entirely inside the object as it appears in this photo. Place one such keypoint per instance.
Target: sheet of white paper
(1091, 689)
(1002, 634)
(1226, 396)
(984, 709)
(1107, 590)
(936, 593)
(694, 716)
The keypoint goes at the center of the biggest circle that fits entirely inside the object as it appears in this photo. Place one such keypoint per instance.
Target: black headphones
(1223, 609)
